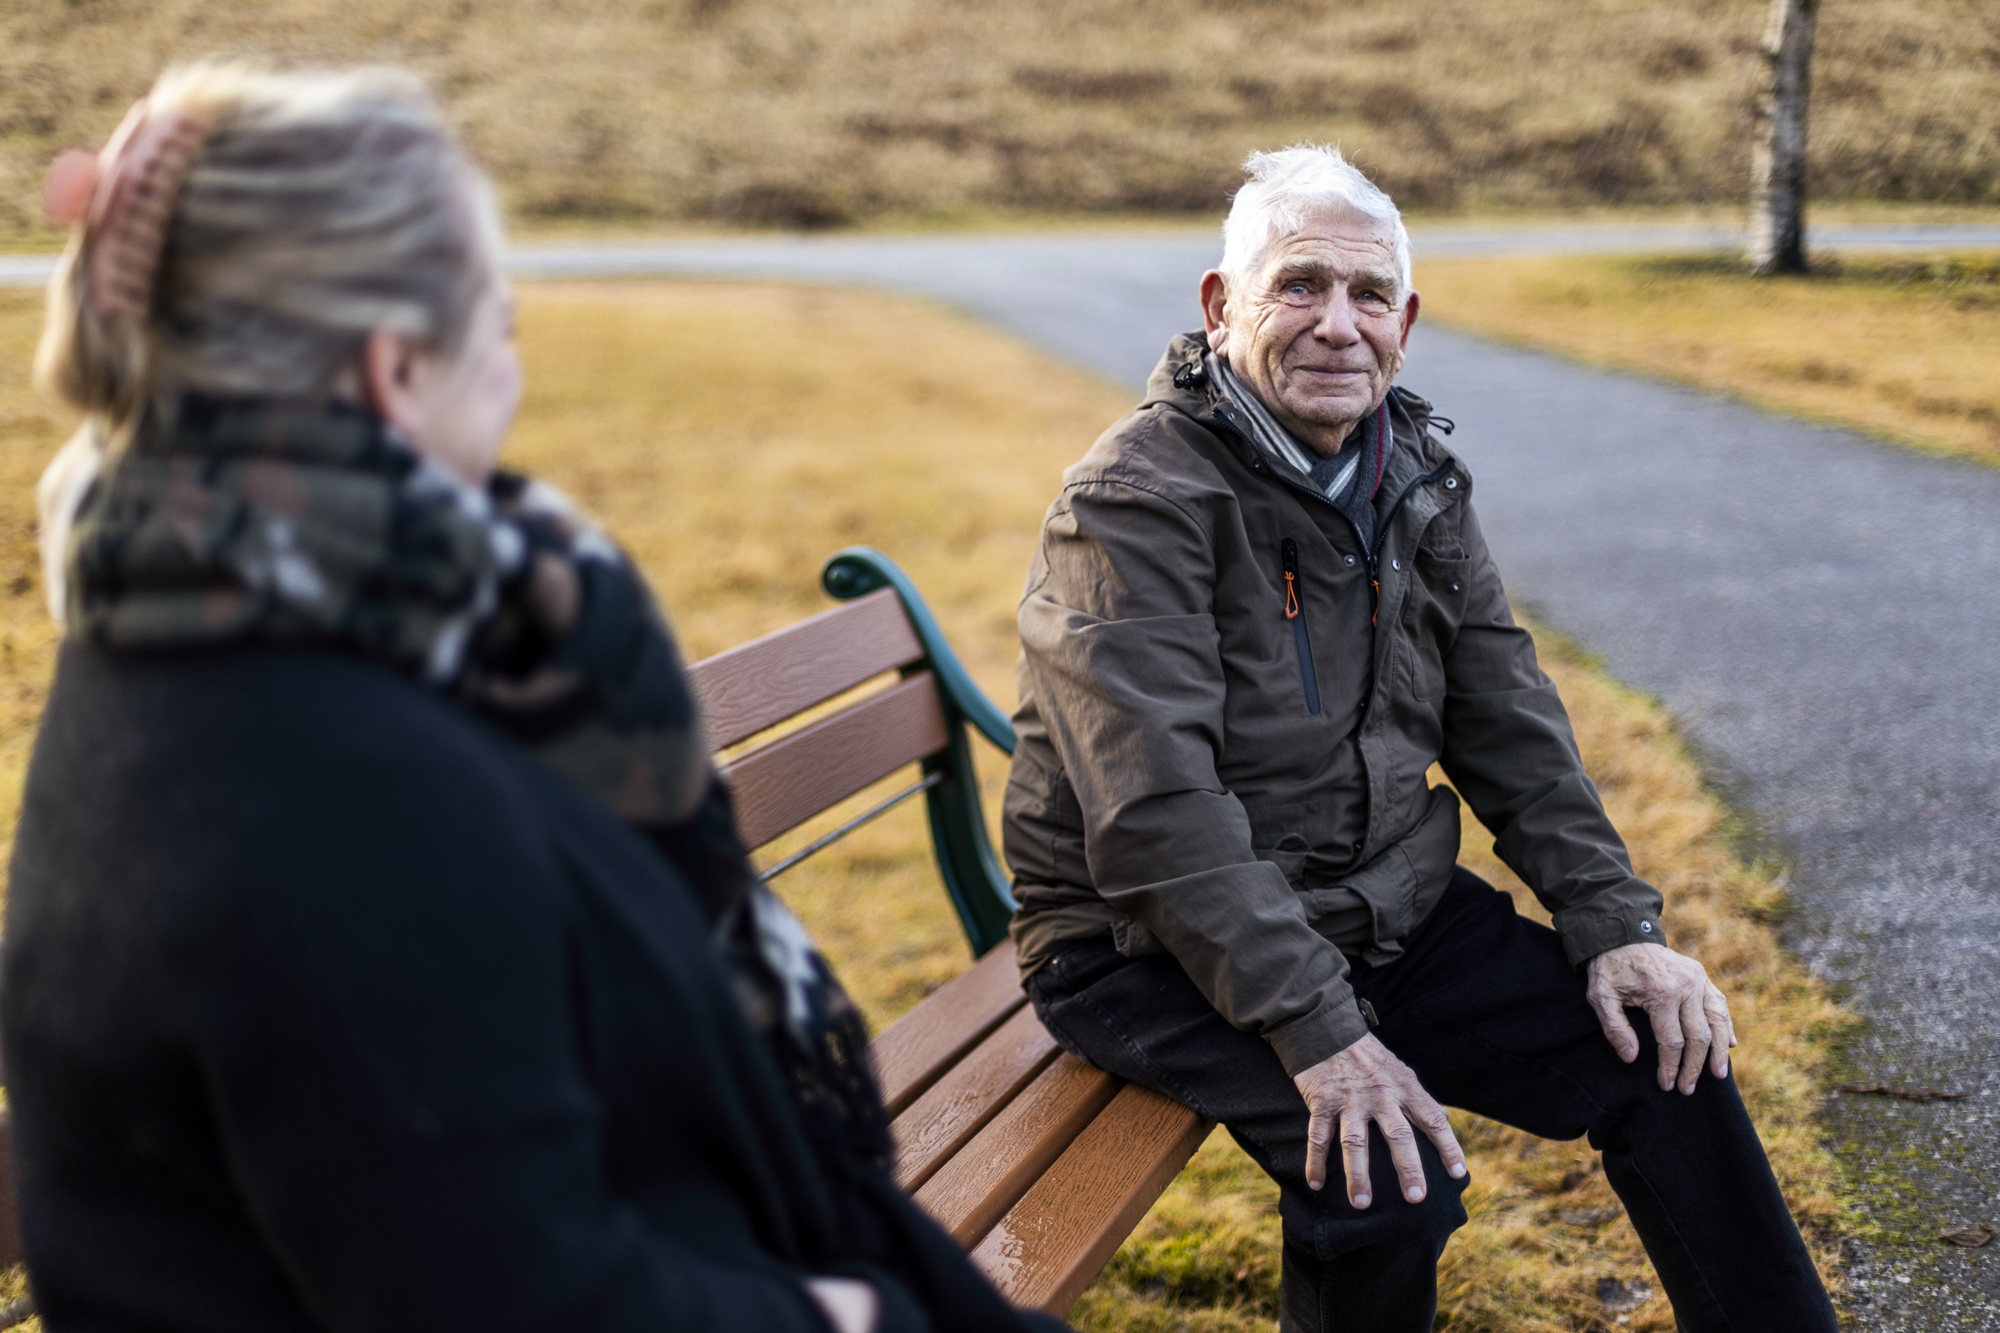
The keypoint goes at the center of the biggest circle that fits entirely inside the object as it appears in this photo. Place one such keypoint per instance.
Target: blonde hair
(321, 207)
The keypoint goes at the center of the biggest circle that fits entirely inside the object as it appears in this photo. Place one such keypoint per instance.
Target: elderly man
(1260, 610)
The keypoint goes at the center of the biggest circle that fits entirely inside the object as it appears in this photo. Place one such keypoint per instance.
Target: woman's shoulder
(275, 771)
(291, 723)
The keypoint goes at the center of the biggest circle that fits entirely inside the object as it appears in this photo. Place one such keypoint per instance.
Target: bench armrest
(974, 878)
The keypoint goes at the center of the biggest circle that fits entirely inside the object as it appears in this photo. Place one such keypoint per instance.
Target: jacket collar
(1181, 381)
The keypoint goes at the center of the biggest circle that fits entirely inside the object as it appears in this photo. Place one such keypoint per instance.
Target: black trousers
(1487, 1011)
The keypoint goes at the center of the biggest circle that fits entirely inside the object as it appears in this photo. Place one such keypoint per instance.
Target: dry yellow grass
(810, 114)
(29, 434)
(734, 435)
(1908, 348)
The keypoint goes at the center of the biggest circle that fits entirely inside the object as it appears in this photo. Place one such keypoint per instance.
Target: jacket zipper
(1301, 639)
(1430, 478)
(1374, 553)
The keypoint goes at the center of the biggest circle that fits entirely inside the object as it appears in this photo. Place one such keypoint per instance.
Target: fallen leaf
(1907, 1094)
(1972, 1235)
(1619, 1297)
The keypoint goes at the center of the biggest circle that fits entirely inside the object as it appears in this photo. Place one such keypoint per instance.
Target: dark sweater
(328, 1007)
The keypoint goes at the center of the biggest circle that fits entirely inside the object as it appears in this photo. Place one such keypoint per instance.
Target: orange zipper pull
(1375, 609)
(1290, 550)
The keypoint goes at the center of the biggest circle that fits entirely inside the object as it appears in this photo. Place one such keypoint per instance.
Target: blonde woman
(379, 953)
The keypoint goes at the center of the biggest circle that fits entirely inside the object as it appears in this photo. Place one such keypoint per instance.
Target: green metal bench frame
(1037, 1163)
(973, 876)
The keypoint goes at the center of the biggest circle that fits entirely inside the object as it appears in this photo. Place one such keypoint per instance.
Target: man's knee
(1709, 1122)
(1330, 1227)
(1429, 1222)
(1374, 1268)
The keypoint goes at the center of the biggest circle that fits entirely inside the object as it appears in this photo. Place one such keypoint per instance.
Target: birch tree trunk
(1778, 184)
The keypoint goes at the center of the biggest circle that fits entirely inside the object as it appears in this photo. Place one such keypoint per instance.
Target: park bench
(1037, 1163)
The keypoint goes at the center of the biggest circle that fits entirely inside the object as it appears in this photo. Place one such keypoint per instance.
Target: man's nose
(1336, 320)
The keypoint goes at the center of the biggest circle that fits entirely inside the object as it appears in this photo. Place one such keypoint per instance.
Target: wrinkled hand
(1365, 1083)
(850, 1304)
(1690, 1016)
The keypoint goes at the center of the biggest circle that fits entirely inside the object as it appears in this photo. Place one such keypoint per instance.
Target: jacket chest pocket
(1434, 611)
(1295, 618)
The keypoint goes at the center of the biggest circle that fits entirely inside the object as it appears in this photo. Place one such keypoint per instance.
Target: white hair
(1286, 190)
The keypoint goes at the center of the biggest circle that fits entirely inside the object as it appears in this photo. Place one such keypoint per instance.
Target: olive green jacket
(1203, 773)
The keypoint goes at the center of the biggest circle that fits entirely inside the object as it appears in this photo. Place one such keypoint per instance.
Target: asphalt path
(1819, 612)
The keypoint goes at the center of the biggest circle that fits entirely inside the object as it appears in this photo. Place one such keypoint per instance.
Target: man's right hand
(1362, 1084)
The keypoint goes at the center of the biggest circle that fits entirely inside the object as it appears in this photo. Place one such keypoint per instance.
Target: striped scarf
(1333, 477)
(243, 521)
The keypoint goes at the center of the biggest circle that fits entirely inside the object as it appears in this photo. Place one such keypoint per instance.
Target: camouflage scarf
(243, 521)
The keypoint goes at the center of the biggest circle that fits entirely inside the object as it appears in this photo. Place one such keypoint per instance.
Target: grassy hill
(805, 113)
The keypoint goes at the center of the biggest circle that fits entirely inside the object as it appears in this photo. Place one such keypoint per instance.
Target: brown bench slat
(1050, 1245)
(911, 1053)
(971, 1093)
(971, 1193)
(761, 683)
(794, 778)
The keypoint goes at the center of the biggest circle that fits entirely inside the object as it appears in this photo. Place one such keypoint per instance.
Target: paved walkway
(1820, 613)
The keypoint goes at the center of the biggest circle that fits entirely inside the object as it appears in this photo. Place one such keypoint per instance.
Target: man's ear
(1215, 310)
(1409, 321)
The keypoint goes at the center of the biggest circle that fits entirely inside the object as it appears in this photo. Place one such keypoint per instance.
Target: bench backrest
(1039, 1164)
(923, 718)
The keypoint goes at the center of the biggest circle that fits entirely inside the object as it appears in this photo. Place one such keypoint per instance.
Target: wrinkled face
(1321, 329)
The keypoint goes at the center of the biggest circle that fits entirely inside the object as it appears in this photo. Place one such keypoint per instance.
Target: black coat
(328, 1007)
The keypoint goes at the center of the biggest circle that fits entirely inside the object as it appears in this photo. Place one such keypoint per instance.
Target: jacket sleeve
(1120, 646)
(1509, 750)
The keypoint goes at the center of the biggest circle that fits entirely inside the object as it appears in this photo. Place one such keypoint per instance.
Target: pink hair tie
(72, 181)
(124, 197)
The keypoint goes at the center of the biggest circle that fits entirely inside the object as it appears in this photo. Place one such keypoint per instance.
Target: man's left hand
(1690, 1016)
